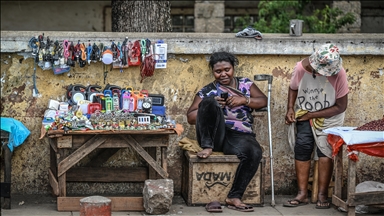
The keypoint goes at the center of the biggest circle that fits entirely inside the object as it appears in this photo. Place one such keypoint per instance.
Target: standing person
(225, 124)
(317, 100)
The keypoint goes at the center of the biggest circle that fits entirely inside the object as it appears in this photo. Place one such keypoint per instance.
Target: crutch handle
(263, 109)
(262, 77)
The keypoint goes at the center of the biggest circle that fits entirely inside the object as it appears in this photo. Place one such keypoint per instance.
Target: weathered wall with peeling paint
(185, 74)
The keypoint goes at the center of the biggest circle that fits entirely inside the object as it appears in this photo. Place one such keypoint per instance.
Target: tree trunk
(141, 16)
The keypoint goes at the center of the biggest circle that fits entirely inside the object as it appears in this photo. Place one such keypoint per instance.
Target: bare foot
(234, 201)
(205, 153)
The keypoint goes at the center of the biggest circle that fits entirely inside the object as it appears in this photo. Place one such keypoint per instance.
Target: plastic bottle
(133, 103)
(125, 100)
(108, 103)
(116, 102)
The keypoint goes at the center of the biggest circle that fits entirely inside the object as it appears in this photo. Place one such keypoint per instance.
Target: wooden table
(66, 150)
(6, 185)
(353, 199)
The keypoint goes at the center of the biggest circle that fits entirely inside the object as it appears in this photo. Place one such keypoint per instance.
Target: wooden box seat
(206, 180)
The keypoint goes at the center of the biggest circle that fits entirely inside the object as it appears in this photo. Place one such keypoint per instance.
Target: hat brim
(325, 69)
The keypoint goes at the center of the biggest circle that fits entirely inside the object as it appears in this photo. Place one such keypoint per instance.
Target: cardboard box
(206, 180)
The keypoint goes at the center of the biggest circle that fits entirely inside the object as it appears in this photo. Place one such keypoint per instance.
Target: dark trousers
(305, 142)
(212, 133)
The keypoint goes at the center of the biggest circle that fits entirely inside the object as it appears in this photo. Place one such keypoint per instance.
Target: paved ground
(45, 205)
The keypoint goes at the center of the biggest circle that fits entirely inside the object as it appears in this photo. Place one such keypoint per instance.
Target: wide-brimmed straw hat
(326, 60)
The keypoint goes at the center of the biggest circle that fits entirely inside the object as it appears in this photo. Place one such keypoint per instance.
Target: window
(183, 23)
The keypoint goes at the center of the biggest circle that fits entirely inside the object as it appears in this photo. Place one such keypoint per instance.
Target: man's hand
(290, 116)
(304, 117)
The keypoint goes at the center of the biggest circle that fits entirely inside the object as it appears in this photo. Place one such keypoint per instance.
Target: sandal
(250, 32)
(323, 205)
(242, 208)
(294, 203)
(214, 206)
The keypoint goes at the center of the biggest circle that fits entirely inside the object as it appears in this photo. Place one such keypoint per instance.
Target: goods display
(376, 125)
(114, 108)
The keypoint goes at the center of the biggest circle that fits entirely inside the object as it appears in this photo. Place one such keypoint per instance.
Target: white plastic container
(64, 106)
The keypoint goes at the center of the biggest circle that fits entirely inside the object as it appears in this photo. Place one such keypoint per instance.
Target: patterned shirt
(237, 118)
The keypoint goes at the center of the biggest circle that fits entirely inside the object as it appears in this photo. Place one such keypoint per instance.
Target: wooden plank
(351, 178)
(262, 181)
(351, 211)
(164, 162)
(135, 145)
(339, 202)
(100, 157)
(55, 132)
(339, 173)
(64, 142)
(315, 183)
(185, 178)
(53, 182)
(117, 203)
(377, 206)
(221, 158)
(152, 174)
(62, 185)
(52, 143)
(119, 132)
(52, 160)
(149, 140)
(351, 185)
(79, 154)
(366, 198)
(7, 172)
(107, 174)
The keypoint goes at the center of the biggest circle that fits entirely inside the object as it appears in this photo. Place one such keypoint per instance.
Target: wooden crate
(205, 180)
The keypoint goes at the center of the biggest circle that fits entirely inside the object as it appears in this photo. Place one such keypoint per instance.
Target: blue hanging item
(17, 132)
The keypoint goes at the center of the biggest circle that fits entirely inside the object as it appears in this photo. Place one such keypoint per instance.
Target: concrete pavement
(45, 205)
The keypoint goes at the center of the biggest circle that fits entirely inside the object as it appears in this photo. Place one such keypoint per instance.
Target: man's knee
(301, 157)
(303, 153)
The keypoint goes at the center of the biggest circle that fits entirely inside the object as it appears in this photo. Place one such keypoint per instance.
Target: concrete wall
(187, 72)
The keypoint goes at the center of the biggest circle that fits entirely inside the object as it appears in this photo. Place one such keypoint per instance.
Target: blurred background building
(187, 16)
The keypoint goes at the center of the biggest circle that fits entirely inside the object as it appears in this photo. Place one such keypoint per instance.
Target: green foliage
(274, 17)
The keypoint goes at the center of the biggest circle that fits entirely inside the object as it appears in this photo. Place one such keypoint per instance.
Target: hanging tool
(34, 44)
(105, 72)
(89, 53)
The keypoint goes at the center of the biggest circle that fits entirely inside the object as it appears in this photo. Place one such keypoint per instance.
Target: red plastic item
(373, 149)
(92, 107)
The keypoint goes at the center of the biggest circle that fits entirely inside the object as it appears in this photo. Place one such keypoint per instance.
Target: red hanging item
(134, 53)
(147, 68)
